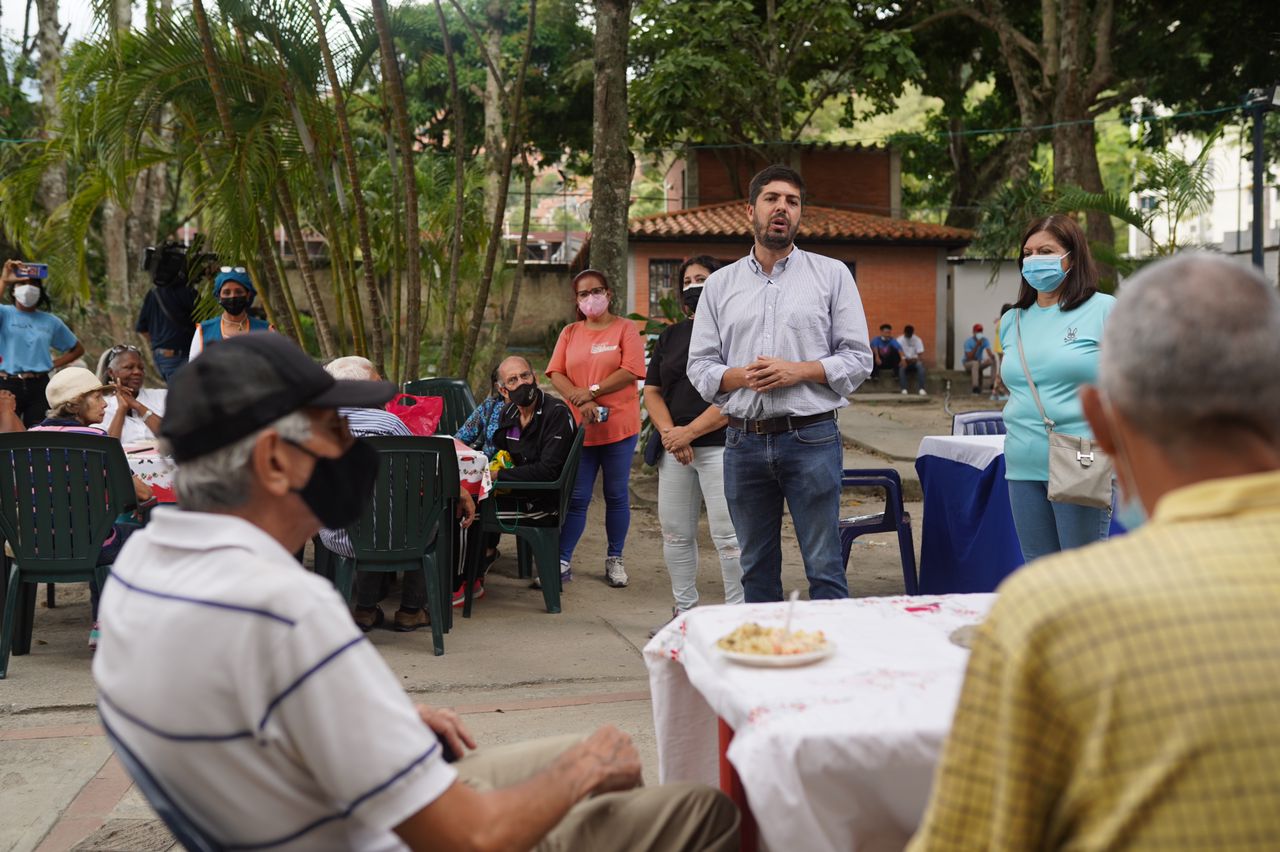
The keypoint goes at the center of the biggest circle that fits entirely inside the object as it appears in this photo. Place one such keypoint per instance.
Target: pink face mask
(594, 305)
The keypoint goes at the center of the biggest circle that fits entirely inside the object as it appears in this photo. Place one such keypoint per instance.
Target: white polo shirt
(241, 682)
(912, 347)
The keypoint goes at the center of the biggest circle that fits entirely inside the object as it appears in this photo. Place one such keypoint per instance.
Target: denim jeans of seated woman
(614, 460)
(1046, 527)
(804, 468)
(682, 488)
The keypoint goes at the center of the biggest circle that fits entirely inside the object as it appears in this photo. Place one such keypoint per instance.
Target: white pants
(681, 490)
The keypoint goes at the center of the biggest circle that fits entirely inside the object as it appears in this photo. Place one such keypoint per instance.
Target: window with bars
(662, 282)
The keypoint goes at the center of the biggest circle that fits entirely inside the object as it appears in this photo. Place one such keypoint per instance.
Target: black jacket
(544, 444)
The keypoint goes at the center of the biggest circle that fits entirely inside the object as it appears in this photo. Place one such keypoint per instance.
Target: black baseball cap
(238, 386)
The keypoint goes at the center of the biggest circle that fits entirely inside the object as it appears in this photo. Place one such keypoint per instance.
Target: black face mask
(524, 395)
(236, 305)
(340, 489)
(690, 301)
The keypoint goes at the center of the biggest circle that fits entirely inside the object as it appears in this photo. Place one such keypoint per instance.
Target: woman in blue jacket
(235, 293)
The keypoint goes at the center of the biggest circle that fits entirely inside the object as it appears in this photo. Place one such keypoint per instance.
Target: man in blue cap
(235, 292)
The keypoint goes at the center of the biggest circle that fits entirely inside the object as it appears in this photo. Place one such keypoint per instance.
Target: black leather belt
(774, 425)
(170, 353)
(24, 376)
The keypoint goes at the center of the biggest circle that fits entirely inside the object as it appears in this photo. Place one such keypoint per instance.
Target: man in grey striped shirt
(779, 341)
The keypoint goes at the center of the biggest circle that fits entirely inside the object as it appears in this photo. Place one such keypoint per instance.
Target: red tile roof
(729, 220)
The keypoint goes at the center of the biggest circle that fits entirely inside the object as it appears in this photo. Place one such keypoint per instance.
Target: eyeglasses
(124, 347)
(239, 269)
(594, 291)
(517, 381)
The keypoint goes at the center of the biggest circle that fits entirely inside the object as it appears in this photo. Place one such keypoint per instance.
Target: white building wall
(978, 299)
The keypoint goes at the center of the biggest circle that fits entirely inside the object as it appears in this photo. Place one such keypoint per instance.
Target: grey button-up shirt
(807, 310)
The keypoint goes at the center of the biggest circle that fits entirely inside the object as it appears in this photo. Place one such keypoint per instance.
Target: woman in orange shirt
(595, 366)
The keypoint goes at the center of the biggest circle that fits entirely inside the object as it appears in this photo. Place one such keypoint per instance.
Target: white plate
(779, 660)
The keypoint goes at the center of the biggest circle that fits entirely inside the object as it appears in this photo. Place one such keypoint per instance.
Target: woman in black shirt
(691, 470)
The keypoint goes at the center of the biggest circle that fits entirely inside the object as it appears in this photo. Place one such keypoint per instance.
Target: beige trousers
(667, 818)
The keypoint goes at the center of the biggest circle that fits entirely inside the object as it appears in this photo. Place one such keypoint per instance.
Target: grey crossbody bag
(1079, 472)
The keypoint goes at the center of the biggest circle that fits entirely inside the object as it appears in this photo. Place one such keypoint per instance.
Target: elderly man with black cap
(271, 721)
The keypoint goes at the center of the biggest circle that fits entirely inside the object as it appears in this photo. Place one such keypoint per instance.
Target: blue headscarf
(238, 277)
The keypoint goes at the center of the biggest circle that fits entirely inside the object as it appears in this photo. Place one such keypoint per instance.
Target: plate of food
(752, 644)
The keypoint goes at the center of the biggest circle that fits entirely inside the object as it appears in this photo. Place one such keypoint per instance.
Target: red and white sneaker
(477, 592)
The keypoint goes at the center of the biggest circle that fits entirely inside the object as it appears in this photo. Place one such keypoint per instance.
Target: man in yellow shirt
(1127, 694)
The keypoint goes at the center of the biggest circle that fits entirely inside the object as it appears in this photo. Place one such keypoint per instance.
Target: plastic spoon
(791, 607)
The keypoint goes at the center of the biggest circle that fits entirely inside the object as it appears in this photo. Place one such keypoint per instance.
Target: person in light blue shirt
(1059, 317)
(779, 342)
(27, 334)
(977, 356)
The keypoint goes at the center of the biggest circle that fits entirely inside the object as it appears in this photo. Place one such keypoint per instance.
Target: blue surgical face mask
(1044, 271)
(1129, 512)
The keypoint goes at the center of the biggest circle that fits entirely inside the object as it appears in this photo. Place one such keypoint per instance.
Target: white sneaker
(922, 392)
(614, 573)
(904, 391)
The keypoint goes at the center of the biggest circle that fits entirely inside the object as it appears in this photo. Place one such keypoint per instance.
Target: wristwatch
(594, 390)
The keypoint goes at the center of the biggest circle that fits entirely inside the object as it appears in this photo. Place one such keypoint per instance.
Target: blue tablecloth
(968, 542)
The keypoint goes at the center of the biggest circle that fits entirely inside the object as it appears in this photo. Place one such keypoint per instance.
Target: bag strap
(1026, 371)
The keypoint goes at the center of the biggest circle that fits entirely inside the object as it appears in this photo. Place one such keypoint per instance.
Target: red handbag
(420, 413)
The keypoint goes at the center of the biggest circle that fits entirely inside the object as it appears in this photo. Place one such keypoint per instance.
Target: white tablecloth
(838, 755)
(974, 450)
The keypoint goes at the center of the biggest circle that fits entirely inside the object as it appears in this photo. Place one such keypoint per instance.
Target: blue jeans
(917, 368)
(803, 467)
(615, 460)
(168, 364)
(1046, 527)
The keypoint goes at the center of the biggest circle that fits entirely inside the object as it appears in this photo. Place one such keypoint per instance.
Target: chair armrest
(526, 486)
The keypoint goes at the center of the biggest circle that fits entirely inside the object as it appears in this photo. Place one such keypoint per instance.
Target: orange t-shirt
(589, 356)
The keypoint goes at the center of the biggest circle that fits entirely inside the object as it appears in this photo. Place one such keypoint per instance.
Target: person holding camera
(235, 293)
(595, 366)
(27, 334)
(165, 323)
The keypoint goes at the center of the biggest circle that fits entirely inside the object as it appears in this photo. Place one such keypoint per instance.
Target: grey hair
(221, 479)
(352, 367)
(1175, 318)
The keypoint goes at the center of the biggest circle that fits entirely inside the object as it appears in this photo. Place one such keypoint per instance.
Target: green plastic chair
(458, 400)
(406, 527)
(540, 534)
(59, 494)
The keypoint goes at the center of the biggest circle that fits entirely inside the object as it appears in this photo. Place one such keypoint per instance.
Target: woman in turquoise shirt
(1061, 314)
(27, 334)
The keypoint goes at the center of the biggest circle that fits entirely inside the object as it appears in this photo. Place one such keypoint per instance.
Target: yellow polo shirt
(1127, 694)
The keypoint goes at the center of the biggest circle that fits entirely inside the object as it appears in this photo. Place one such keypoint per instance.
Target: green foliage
(770, 73)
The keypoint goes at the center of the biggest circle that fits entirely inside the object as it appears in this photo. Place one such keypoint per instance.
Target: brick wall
(898, 284)
(842, 177)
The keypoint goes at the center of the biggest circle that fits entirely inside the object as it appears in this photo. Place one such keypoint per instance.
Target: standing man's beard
(772, 238)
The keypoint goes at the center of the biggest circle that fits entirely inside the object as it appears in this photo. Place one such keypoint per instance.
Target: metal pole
(1259, 175)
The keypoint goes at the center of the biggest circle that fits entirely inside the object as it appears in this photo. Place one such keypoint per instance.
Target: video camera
(173, 264)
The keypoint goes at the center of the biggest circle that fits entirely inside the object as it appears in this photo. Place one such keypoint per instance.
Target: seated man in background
(1124, 695)
(977, 356)
(282, 727)
(912, 349)
(537, 430)
(371, 586)
(886, 352)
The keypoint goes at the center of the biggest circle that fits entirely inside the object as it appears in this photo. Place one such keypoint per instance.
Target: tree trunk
(289, 215)
(115, 217)
(279, 302)
(459, 198)
(513, 302)
(610, 155)
(377, 355)
(53, 188)
(500, 204)
(494, 20)
(413, 235)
